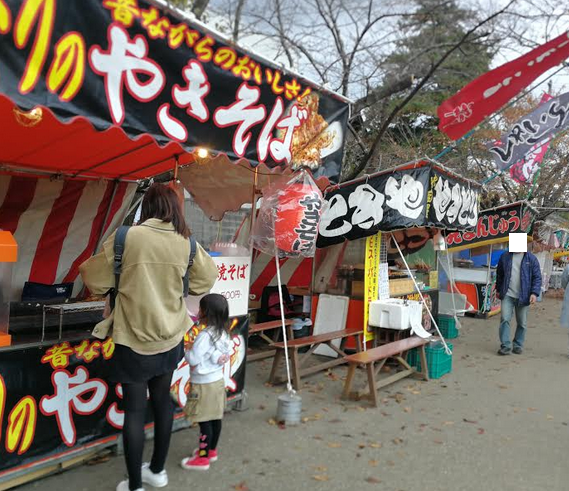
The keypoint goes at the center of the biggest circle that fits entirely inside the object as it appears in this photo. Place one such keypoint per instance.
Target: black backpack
(120, 239)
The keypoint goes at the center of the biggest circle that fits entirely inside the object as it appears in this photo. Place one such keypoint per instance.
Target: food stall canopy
(494, 226)
(119, 89)
(219, 185)
(415, 195)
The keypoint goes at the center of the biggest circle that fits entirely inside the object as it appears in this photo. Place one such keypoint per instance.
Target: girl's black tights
(209, 436)
(134, 404)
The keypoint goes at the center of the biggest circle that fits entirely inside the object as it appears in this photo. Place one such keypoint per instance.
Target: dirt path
(494, 423)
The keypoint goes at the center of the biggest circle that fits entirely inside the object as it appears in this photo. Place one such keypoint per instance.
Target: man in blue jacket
(518, 284)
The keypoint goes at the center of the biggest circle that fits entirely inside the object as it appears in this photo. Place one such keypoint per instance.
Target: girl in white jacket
(207, 357)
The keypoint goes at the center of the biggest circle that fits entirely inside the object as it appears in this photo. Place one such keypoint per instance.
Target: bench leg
(276, 362)
(349, 380)
(295, 369)
(372, 385)
(424, 366)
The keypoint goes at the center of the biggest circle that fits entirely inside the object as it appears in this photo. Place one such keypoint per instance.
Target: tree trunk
(198, 8)
(237, 21)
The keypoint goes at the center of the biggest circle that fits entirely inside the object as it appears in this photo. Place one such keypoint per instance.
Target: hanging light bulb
(439, 242)
(203, 153)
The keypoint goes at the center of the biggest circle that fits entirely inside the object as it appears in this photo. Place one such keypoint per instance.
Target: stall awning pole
(103, 226)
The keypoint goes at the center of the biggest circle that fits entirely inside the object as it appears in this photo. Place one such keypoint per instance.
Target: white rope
(285, 339)
(453, 288)
(447, 349)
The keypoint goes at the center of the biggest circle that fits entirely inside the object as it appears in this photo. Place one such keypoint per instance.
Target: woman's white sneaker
(123, 486)
(159, 480)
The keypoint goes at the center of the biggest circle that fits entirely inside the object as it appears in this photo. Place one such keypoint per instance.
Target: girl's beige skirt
(206, 402)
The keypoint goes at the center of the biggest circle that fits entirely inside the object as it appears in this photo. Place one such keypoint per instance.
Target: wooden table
(260, 329)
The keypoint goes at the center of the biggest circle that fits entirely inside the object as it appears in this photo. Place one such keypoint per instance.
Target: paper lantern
(289, 218)
(296, 219)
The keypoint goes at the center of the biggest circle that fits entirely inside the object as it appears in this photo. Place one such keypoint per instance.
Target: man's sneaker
(159, 480)
(504, 351)
(518, 351)
(212, 455)
(123, 486)
(195, 464)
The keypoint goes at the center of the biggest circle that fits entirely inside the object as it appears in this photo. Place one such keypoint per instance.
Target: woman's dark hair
(214, 312)
(161, 201)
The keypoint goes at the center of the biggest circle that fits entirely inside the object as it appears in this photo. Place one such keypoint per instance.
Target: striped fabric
(56, 224)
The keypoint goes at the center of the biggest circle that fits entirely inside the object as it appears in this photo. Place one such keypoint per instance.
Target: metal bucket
(289, 407)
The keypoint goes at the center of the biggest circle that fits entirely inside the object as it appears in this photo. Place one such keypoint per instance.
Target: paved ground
(495, 423)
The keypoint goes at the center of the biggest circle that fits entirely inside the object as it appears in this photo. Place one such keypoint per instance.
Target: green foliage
(432, 31)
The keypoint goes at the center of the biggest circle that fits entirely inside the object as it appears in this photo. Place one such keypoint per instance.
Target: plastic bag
(289, 216)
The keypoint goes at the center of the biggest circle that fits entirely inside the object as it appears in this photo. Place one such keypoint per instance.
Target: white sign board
(383, 281)
(234, 274)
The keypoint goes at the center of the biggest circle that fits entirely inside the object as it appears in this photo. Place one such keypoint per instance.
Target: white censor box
(234, 274)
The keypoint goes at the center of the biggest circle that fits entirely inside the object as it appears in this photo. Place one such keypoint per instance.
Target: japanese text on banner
(371, 279)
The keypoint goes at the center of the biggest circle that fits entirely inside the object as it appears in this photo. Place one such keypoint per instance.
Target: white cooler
(395, 313)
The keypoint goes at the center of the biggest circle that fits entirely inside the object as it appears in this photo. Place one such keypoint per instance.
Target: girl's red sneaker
(195, 463)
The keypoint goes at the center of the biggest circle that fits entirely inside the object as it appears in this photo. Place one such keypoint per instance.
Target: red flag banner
(489, 92)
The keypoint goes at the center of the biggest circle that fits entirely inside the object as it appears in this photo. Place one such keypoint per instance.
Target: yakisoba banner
(56, 399)
(131, 64)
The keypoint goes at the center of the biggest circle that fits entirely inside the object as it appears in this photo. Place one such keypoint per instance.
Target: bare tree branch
(371, 153)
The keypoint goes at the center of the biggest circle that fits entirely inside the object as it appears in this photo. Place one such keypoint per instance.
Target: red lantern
(297, 217)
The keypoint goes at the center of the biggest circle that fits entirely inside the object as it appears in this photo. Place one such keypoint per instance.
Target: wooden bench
(374, 360)
(298, 360)
(260, 329)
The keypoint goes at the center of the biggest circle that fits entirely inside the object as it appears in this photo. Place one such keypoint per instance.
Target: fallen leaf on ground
(549, 417)
(448, 423)
(481, 431)
(373, 480)
(532, 409)
(375, 445)
(272, 422)
(336, 420)
(242, 486)
(470, 421)
(321, 478)
(438, 442)
(317, 437)
(397, 441)
(373, 463)
(334, 445)
(407, 409)
(320, 468)
(503, 386)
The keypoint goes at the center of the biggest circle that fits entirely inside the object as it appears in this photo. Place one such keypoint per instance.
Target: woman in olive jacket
(148, 322)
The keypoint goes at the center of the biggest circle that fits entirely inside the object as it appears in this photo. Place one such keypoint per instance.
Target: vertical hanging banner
(532, 133)
(371, 279)
(489, 92)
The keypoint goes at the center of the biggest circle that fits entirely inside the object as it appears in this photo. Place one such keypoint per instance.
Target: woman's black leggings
(134, 404)
(209, 436)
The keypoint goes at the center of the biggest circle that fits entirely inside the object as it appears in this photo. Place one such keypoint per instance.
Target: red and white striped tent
(58, 223)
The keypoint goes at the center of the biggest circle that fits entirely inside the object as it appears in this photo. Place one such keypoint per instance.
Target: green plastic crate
(438, 361)
(447, 326)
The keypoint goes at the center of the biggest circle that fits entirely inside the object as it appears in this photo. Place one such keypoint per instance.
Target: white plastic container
(395, 313)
